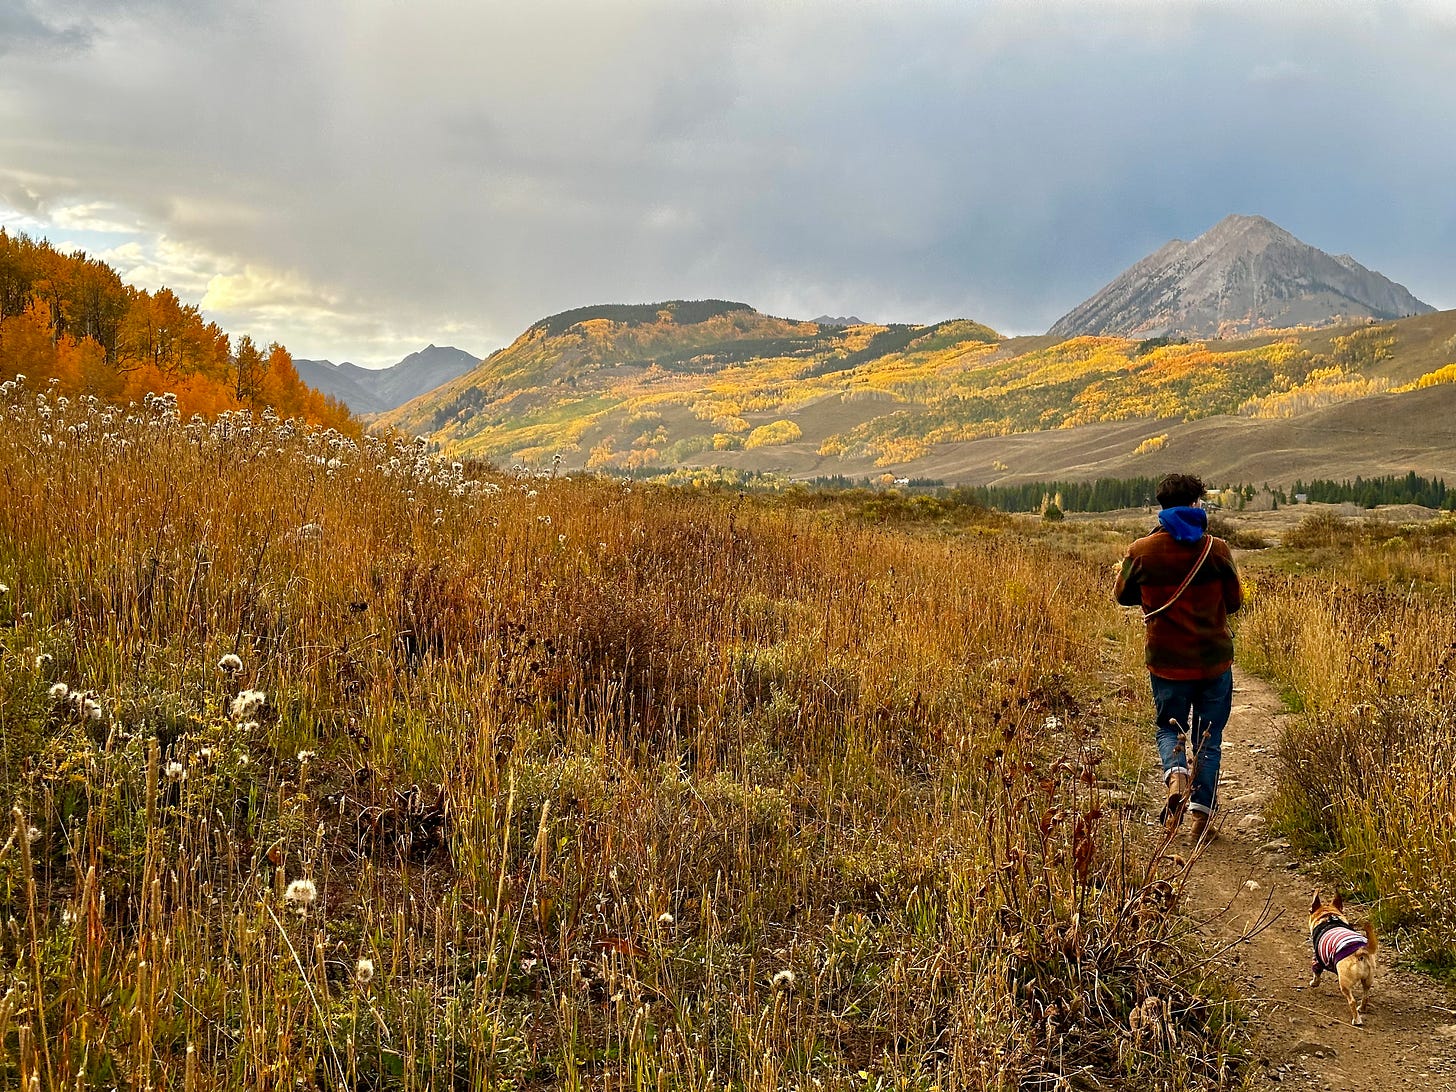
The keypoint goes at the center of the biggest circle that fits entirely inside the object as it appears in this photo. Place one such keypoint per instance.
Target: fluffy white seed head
(301, 894)
(247, 703)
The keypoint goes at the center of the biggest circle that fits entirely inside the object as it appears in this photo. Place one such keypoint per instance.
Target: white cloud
(97, 216)
(153, 261)
(316, 321)
(264, 291)
(266, 302)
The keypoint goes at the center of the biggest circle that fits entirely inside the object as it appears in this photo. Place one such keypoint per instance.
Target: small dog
(1340, 949)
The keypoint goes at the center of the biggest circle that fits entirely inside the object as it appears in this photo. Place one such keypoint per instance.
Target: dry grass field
(1354, 619)
(334, 765)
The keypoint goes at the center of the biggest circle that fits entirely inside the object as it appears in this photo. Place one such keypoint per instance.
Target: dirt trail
(1409, 1038)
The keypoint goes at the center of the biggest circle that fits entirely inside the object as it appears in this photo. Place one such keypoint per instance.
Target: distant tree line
(1099, 495)
(683, 312)
(1109, 494)
(1409, 488)
(834, 482)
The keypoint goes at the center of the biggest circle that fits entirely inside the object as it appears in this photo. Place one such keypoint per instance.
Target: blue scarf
(1184, 524)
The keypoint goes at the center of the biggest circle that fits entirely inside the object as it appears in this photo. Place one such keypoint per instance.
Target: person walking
(1185, 582)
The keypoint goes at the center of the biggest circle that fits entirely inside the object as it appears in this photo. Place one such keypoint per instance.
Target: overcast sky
(358, 178)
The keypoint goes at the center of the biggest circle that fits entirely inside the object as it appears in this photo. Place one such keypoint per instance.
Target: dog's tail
(1372, 945)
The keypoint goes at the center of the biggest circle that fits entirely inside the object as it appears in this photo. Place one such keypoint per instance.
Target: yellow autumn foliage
(644, 385)
(1322, 387)
(1446, 374)
(773, 434)
(599, 327)
(1364, 347)
(901, 450)
(708, 409)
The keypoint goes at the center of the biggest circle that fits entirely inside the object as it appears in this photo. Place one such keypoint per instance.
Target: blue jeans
(1194, 710)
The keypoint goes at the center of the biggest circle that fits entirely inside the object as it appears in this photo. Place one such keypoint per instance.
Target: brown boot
(1199, 832)
(1178, 785)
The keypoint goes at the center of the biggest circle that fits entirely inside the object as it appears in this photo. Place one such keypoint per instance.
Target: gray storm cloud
(371, 173)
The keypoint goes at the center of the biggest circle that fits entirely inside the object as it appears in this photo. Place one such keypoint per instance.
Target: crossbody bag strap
(1207, 548)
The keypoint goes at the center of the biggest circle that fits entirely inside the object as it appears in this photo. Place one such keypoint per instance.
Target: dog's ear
(1315, 902)
(1339, 902)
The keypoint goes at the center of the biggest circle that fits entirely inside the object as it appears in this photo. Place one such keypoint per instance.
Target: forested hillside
(713, 383)
(70, 318)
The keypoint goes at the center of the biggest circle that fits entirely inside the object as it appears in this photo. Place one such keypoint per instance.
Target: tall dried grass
(523, 781)
(1365, 644)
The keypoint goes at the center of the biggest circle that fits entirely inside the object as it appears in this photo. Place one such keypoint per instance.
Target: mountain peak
(375, 390)
(1249, 230)
(1245, 273)
(1241, 221)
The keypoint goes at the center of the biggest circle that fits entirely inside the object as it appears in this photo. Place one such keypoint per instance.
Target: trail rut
(1242, 877)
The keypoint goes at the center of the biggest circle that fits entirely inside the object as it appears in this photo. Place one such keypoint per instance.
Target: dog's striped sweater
(1334, 940)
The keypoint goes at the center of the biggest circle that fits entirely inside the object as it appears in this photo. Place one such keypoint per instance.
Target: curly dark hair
(1177, 490)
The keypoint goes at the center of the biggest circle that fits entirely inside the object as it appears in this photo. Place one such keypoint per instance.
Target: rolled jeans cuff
(1200, 809)
(1168, 774)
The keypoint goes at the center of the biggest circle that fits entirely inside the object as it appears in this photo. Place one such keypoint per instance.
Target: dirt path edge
(1305, 1039)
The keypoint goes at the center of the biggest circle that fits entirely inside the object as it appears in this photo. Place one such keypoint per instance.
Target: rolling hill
(629, 386)
(696, 384)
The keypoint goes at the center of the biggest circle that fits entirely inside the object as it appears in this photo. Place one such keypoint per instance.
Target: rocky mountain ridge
(378, 390)
(1244, 274)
